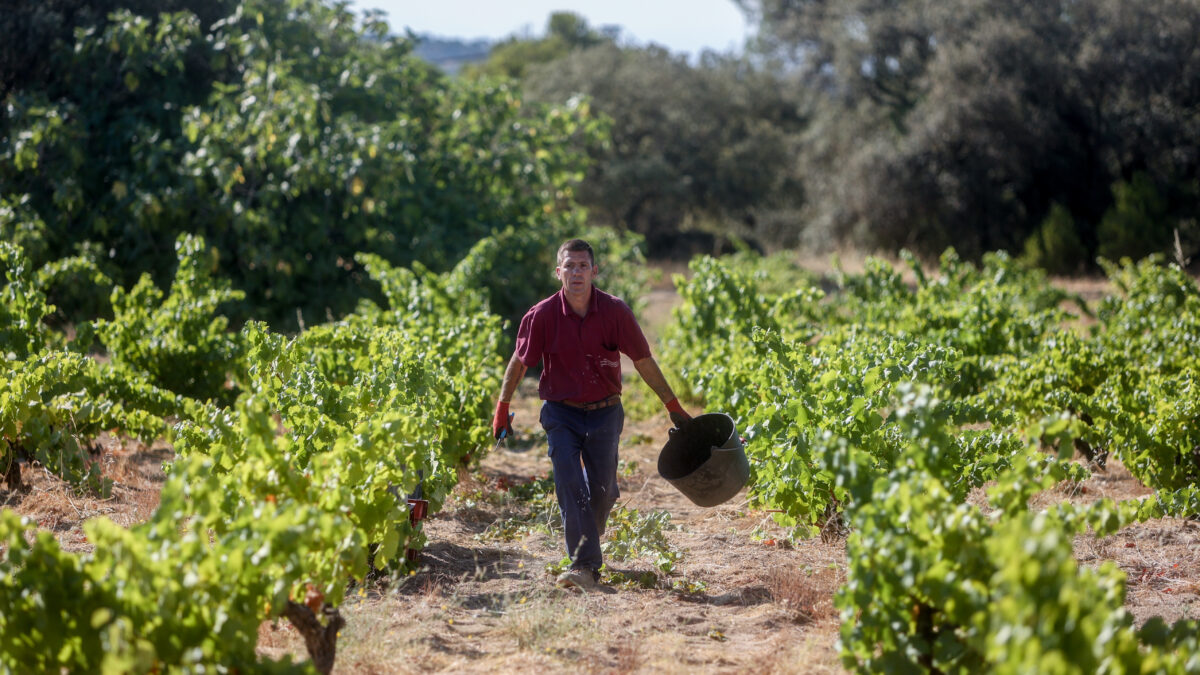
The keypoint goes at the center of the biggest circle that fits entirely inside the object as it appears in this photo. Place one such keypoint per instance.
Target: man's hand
(678, 414)
(502, 421)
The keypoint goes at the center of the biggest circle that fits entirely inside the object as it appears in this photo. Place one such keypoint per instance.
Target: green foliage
(79, 282)
(156, 595)
(803, 375)
(35, 32)
(539, 512)
(291, 490)
(290, 139)
(447, 329)
(1055, 246)
(304, 150)
(1000, 307)
(21, 227)
(514, 269)
(23, 308)
(42, 417)
(799, 391)
(958, 593)
(178, 340)
(1153, 317)
(1137, 224)
(970, 123)
(722, 304)
(54, 400)
(514, 57)
(937, 584)
(706, 147)
(632, 534)
(1147, 406)
(880, 409)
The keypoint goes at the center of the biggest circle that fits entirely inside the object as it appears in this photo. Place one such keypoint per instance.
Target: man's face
(576, 272)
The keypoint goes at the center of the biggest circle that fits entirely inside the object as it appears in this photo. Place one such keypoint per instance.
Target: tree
(706, 147)
(34, 32)
(565, 32)
(962, 122)
(288, 135)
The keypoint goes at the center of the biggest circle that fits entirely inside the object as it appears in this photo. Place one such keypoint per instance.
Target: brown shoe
(583, 579)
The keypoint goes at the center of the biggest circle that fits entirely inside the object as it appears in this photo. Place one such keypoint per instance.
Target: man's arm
(653, 376)
(512, 377)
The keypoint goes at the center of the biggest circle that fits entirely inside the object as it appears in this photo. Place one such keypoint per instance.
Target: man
(578, 335)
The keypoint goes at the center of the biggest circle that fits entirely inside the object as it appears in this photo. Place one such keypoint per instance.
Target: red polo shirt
(580, 354)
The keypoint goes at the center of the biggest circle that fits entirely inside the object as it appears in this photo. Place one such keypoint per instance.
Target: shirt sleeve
(631, 340)
(531, 340)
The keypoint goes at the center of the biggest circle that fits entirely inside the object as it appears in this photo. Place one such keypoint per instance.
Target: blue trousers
(583, 450)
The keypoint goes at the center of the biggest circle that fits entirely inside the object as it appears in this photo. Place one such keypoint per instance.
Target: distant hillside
(450, 54)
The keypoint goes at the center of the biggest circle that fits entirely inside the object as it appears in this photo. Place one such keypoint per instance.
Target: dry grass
(56, 506)
(1161, 561)
(628, 657)
(547, 622)
(807, 594)
(1161, 558)
(811, 656)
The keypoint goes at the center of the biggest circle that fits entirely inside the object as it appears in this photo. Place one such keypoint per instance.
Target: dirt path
(737, 601)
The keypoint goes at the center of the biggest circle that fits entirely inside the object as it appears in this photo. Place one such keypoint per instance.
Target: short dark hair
(575, 245)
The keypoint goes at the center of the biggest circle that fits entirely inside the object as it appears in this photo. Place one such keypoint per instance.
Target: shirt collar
(566, 306)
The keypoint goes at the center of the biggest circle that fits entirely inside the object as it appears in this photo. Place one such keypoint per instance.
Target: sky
(687, 26)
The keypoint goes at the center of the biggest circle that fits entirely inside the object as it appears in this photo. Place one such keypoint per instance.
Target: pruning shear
(504, 432)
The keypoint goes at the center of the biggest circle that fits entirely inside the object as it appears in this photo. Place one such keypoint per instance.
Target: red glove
(502, 421)
(678, 414)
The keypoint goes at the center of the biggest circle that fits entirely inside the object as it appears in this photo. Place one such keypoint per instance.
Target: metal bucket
(704, 459)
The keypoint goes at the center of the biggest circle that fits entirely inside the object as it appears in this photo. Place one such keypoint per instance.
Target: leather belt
(595, 405)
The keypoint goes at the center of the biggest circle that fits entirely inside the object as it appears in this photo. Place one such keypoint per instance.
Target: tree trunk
(321, 641)
(12, 472)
